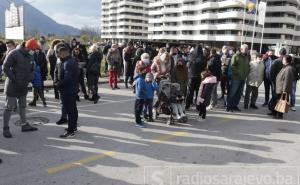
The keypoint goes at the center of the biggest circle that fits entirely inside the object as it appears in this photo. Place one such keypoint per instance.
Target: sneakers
(67, 135)
(200, 119)
(140, 125)
(210, 107)
(62, 121)
(293, 109)
(253, 107)
(32, 104)
(75, 130)
(6, 133)
(28, 128)
(150, 120)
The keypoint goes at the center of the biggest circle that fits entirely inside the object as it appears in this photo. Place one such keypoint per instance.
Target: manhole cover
(34, 121)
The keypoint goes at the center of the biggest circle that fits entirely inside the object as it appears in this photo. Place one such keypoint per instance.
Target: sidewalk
(49, 83)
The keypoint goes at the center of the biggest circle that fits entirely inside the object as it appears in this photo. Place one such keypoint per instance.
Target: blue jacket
(151, 87)
(140, 87)
(37, 77)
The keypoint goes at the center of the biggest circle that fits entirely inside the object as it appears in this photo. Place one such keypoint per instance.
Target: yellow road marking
(169, 136)
(73, 164)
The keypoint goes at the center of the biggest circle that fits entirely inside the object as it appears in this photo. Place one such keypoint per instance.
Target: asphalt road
(109, 150)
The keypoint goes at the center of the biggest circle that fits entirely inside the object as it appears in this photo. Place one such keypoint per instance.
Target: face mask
(31, 52)
(146, 61)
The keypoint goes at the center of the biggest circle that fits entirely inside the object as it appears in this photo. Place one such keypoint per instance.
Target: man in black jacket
(195, 66)
(18, 67)
(67, 79)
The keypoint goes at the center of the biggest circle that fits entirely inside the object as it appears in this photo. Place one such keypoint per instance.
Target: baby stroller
(164, 103)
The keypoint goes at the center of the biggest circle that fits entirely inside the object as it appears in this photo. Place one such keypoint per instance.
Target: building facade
(214, 22)
(123, 20)
(221, 21)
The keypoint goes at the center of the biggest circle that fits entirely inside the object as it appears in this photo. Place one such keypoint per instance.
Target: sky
(76, 13)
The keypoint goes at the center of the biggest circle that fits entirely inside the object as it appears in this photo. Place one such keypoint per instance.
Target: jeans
(253, 91)
(11, 105)
(92, 81)
(81, 81)
(214, 95)
(235, 93)
(193, 85)
(293, 94)
(177, 108)
(138, 108)
(268, 87)
(38, 92)
(69, 109)
(148, 106)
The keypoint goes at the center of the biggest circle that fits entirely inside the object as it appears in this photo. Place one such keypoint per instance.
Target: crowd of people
(198, 70)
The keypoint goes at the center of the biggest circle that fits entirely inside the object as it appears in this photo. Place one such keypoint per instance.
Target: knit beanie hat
(32, 44)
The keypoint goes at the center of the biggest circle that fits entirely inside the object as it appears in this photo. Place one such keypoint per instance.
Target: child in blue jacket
(38, 86)
(140, 96)
(151, 87)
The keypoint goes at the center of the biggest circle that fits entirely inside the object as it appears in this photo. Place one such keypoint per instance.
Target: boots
(28, 128)
(6, 132)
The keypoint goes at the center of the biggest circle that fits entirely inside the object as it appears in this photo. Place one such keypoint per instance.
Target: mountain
(35, 20)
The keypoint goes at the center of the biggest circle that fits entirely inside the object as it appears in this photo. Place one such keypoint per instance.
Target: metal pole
(262, 38)
(253, 35)
(244, 17)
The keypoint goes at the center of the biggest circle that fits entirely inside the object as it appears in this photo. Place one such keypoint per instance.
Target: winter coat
(40, 59)
(114, 60)
(128, 56)
(256, 73)
(140, 87)
(18, 67)
(205, 90)
(94, 64)
(240, 66)
(214, 65)
(160, 69)
(225, 61)
(275, 69)
(67, 76)
(268, 63)
(296, 66)
(37, 77)
(180, 75)
(51, 59)
(284, 80)
(151, 87)
(196, 66)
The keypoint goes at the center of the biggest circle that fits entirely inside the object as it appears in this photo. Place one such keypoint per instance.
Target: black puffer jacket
(215, 66)
(18, 67)
(196, 63)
